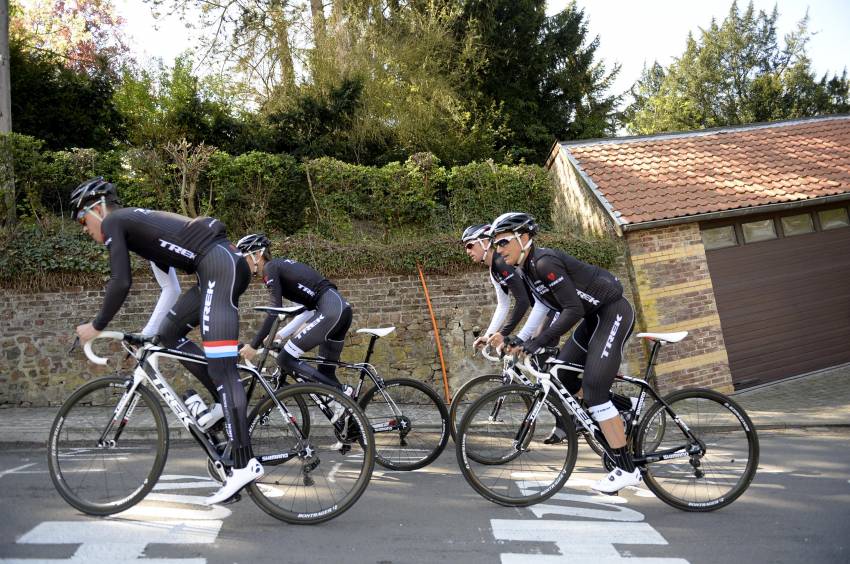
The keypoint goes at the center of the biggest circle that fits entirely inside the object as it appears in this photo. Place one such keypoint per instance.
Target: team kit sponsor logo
(612, 336)
(174, 248)
(306, 290)
(208, 298)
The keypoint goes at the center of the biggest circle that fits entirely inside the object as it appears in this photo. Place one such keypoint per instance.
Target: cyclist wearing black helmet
(197, 246)
(327, 314)
(593, 298)
(507, 284)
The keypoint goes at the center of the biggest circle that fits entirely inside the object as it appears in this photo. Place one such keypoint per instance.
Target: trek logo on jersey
(143, 211)
(176, 249)
(205, 323)
(587, 297)
(310, 326)
(306, 290)
(107, 242)
(611, 336)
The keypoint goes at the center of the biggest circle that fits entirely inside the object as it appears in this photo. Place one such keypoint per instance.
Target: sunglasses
(81, 215)
(502, 243)
(470, 245)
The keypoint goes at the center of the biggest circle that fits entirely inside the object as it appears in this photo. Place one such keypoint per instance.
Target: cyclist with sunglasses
(591, 297)
(196, 246)
(507, 284)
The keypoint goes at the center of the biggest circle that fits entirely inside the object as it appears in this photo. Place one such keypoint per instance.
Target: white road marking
(580, 542)
(16, 470)
(122, 538)
(332, 474)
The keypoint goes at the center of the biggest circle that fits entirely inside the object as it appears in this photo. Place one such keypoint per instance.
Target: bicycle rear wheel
(409, 421)
(310, 477)
(530, 472)
(466, 395)
(103, 460)
(727, 459)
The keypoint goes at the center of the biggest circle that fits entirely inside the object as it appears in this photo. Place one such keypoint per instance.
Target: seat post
(370, 349)
(653, 356)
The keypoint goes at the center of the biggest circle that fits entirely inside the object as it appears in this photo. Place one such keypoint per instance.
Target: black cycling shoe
(558, 435)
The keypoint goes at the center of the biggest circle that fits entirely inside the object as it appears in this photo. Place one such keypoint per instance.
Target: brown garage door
(784, 304)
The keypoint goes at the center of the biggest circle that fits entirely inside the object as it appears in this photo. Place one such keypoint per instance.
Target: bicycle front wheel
(311, 476)
(409, 420)
(467, 394)
(530, 471)
(107, 448)
(724, 458)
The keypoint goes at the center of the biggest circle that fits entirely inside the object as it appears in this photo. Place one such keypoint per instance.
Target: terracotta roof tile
(665, 177)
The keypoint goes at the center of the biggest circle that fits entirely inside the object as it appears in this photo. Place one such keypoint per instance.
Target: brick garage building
(738, 235)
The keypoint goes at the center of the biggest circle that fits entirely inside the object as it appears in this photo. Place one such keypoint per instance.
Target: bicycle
(109, 442)
(476, 387)
(697, 449)
(408, 418)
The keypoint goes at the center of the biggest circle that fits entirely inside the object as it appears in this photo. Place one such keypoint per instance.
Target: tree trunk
(7, 179)
(284, 52)
(317, 11)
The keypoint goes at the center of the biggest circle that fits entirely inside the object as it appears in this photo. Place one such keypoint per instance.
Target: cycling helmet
(516, 222)
(253, 242)
(475, 232)
(92, 189)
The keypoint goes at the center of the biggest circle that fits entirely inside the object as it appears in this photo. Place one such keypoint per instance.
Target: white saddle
(382, 332)
(665, 337)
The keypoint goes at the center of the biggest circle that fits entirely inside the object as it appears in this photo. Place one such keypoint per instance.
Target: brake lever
(74, 344)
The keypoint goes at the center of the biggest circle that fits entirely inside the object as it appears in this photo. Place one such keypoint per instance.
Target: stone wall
(36, 330)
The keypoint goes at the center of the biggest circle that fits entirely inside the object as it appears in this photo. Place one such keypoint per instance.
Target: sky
(631, 32)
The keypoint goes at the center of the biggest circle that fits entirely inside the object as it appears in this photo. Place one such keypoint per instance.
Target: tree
(81, 33)
(65, 107)
(735, 73)
(540, 71)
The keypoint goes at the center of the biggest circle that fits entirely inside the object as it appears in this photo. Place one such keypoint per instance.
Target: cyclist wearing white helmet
(507, 284)
(196, 246)
(591, 297)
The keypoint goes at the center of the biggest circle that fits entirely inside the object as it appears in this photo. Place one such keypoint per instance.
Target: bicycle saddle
(382, 332)
(291, 310)
(664, 337)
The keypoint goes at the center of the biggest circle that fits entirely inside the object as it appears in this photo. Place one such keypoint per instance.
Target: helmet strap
(524, 248)
(486, 249)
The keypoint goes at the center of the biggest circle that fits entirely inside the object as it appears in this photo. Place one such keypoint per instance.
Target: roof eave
(767, 208)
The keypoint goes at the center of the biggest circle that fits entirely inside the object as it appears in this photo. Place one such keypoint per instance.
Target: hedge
(58, 256)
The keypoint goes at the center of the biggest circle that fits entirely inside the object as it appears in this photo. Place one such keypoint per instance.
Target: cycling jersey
(295, 281)
(164, 238)
(567, 285)
(507, 283)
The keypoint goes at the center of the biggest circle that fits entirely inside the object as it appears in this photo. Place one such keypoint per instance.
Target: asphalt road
(796, 510)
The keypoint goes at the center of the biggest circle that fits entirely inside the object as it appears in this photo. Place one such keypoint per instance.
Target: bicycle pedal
(345, 448)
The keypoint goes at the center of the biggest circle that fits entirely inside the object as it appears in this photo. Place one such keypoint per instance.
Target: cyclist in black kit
(327, 315)
(507, 284)
(198, 246)
(592, 297)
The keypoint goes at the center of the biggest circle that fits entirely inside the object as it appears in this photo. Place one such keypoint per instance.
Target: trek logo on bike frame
(208, 306)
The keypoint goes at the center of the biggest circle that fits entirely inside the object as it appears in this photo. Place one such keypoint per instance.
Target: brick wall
(575, 208)
(674, 293)
(36, 330)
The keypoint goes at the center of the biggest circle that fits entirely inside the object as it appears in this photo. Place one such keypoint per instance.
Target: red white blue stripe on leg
(220, 349)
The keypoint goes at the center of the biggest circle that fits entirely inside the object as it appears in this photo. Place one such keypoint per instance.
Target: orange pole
(436, 333)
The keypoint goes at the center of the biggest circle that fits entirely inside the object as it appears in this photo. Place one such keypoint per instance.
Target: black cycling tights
(325, 329)
(223, 276)
(597, 344)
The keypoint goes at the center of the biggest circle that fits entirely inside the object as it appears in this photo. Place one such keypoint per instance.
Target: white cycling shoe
(338, 408)
(616, 480)
(238, 479)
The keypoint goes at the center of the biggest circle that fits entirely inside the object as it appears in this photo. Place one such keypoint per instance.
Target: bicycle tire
(461, 397)
(422, 408)
(321, 482)
(110, 478)
(529, 475)
(731, 449)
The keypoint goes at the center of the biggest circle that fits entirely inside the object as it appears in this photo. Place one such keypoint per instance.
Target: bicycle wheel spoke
(716, 476)
(326, 477)
(107, 478)
(491, 460)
